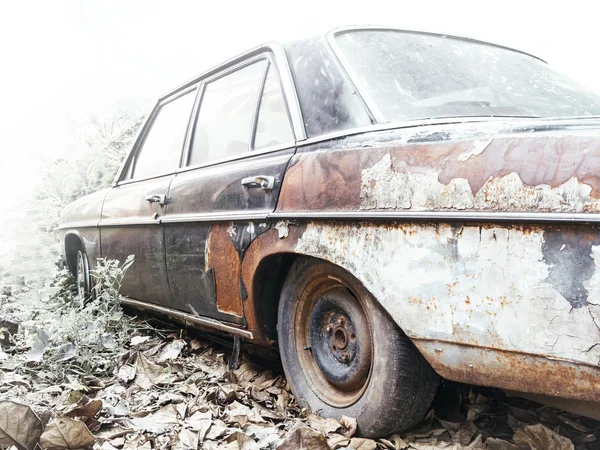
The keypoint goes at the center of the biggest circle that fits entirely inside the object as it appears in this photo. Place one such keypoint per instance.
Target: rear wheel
(344, 355)
(83, 276)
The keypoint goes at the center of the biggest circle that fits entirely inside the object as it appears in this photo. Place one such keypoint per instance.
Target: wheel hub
(340, 339)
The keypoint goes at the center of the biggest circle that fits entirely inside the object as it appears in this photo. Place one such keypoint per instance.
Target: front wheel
(83, 276)
(343, 354)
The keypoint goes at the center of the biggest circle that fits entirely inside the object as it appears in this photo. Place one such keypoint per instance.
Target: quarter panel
(462, 167)
(513, 292)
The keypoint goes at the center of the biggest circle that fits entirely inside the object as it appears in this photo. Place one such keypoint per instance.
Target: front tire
(83, 276)
(343, 354)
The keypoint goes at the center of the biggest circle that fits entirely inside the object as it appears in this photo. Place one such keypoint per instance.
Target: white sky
(64, 60)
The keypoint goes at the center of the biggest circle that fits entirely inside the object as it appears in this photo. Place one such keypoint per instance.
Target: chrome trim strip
(427, 33)
(127, 221)
(217, 216)
(187, 319)
(532, 121)
(467, 216)
(240, 156)
(82, 224)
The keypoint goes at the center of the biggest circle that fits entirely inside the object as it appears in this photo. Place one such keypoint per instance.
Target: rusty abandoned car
(384, 207)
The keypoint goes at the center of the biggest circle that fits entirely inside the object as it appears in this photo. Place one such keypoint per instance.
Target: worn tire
(400, 386)
(83, 276)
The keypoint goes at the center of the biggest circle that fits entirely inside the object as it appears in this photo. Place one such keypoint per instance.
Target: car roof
(278, 47)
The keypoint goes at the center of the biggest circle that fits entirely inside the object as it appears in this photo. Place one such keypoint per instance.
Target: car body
(457, 181)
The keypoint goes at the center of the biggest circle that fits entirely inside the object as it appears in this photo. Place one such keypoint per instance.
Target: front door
(241, 144)
(134, 208)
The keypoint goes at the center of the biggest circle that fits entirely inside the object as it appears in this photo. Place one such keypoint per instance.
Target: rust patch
(512, 371)
(225, 262)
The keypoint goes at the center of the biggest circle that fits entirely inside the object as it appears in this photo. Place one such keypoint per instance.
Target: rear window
(406, 76)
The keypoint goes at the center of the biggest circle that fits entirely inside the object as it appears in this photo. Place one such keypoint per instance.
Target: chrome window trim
(409, 124)
(152, 177)
(352, 75)
(440, 216)
(241, 156)
(261, 90)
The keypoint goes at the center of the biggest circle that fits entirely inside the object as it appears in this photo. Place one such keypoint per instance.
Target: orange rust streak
(225, 261)
(266, 244)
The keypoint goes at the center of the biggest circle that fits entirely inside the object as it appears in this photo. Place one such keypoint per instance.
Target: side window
(163, 143)
(273, 125)
(224, 123)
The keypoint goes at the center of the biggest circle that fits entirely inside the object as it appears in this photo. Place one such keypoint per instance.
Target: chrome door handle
(264, 182)
(161, 199)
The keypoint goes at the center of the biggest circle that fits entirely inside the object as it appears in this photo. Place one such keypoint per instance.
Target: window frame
(227, 70)
(131, 159)
(277, 58)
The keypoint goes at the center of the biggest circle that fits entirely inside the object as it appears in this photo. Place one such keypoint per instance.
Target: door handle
(264, 182)
(161, 199)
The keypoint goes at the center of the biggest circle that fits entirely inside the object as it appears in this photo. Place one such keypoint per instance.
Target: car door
(239, 149)
(133, 209)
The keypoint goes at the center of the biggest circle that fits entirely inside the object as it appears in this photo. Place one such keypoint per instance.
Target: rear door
(240, 146)
(133, 209)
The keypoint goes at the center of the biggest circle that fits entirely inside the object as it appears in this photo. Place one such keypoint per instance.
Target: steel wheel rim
(333, 341)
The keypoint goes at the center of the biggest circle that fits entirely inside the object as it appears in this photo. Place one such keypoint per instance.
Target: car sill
(187, 319)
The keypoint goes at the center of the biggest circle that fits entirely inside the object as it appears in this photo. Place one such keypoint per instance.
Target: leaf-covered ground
(76, 375)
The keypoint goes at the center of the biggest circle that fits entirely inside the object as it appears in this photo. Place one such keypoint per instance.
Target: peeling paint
(478, 147)
(282, 228)
(383, 188)
(488, 286)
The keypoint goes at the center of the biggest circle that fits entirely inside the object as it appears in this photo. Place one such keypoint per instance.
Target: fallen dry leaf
(156, 422)
(348, 426)
(304, 439)
(187, 439)
(499, 444)
(65, 433)
(19, 426)
(323, 425)
(149, 374)
(87, 410)
(172, 350)
(539, 437)
(362, 444)
(38, 346)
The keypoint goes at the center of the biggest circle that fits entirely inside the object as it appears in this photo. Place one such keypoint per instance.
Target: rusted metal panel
(494, 171)
(224, 259)
(512, 371)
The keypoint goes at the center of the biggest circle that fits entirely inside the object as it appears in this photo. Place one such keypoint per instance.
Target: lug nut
(341, 319)
(346, 356)
(330, 329)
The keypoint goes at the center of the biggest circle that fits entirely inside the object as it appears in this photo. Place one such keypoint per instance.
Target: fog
(65, 61)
